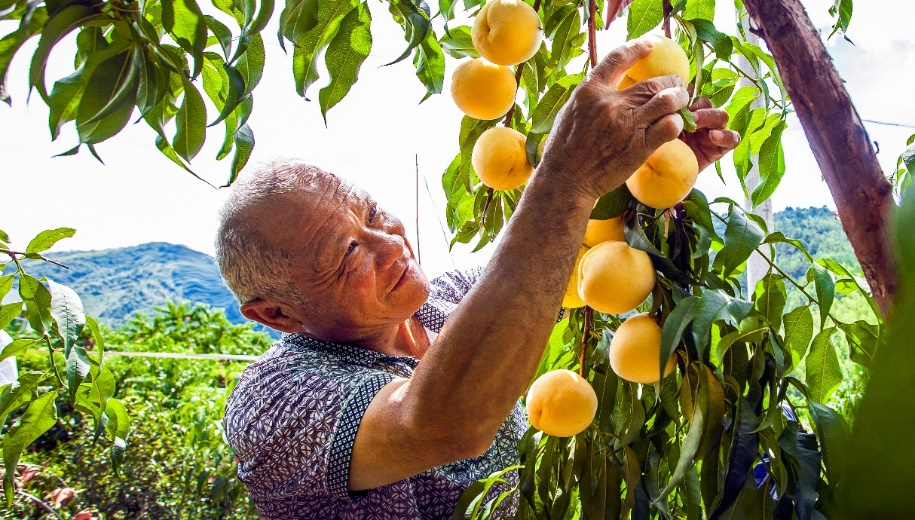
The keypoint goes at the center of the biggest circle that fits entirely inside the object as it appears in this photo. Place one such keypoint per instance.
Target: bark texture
(837, 137)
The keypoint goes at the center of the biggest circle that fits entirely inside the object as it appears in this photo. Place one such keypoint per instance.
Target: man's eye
(352, 246)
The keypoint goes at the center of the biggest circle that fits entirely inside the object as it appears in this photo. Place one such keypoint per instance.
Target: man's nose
(390, 249)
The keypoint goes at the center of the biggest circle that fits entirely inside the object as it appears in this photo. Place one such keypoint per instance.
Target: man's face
(353, 263)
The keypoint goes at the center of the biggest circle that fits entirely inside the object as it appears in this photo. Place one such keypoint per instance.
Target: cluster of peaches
(609, 276)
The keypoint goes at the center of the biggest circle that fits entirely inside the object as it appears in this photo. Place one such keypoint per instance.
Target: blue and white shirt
(293, 416)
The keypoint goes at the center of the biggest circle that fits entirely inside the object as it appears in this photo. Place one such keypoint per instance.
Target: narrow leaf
(46, 239)
(190, 123)
(824, 374)
(345, 55)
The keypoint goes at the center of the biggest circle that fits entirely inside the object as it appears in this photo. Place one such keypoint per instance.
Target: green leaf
(675, 326)
(458, 44)
(40, 416)
(222, 33)
(244, 144)
(308, 47)
(416, 23)
(17, 347)
(832, 433)
(706, 31)
(18, 393)
(97, 337)
(112, 88)
(842, 10)
(46, 239)
(741, 237)
(699, 9)
(78, 367)
(770, 298)
(612, 204)
(59, 25)
(771, 165)
(67, 311)
(9, 312)
(251, 64)
(552, 102)
(689, 120)
(111, 84)
(184, 22)
(344, 56)
(190, 123)
(644, 15)
(691, 444)
(429, 62)
(12, 42)
(260, 21)
(825, 289)
(779, 238)
(714, 306)
(798, 332)
(37, 301)
(297, 18)
(824, 374)
(880, 453)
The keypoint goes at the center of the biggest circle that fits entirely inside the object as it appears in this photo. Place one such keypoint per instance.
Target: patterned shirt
(293, 416)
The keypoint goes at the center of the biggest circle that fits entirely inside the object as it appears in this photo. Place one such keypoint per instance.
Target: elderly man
(388, 395)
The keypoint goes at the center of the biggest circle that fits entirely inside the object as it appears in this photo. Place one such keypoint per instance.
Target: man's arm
(486, 355)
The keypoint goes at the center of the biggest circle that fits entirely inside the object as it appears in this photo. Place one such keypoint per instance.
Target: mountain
(116, 283)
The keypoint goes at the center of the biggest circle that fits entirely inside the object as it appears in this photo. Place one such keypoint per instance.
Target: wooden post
(837, 137)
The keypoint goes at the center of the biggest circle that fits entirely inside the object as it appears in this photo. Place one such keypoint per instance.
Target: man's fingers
(712, 118)
(727, 139)
(613, 67)
(663, 130)
(700, 103)
(667, 101)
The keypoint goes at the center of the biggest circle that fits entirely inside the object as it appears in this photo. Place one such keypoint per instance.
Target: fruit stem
(587, 328)
(667, 10)
(592, 32)
(511, 111)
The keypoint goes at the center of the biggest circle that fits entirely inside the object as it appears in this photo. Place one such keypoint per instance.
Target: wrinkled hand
(602, 135)
(710, 141)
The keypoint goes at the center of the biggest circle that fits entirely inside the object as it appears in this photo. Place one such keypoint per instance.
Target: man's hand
(710, 141)
(602, 134)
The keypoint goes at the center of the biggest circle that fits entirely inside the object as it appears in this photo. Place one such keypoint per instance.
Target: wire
(903, 125)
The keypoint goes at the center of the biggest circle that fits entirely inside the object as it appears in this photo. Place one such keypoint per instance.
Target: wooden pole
(837, 137)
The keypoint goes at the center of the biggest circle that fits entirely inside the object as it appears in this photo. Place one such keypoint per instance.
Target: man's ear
(276, 315)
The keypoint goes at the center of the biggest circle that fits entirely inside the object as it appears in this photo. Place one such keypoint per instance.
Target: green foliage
(177, 464)
(881, 449)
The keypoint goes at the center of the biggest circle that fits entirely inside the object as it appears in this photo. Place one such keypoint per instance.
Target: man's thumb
(613, 67)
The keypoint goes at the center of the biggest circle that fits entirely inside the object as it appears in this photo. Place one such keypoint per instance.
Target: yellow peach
(603, 230)
(561, 403)
(506, 32)
(615, 278)
(667, 176)
(482, 89)
(635, 351)
(500, 159)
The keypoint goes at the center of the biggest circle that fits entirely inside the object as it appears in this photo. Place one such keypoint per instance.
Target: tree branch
(837, 137)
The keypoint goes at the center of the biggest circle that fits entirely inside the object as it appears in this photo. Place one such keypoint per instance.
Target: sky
(375, 137)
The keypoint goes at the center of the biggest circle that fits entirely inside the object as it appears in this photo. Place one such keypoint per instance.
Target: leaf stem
(60, 380)
(587, 328)
(592, 32)
(14, 254)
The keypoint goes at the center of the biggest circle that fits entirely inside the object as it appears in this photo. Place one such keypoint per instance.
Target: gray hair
(251, 265)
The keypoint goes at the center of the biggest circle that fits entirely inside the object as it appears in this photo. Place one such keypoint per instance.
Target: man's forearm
(487, 354)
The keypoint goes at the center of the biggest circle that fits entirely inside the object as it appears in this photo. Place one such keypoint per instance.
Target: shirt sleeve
(292, 426)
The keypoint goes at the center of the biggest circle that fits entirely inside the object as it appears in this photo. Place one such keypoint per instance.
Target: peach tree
(741, 428)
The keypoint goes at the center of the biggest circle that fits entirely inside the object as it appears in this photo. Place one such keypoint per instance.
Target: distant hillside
(820, 230)
(116, 283)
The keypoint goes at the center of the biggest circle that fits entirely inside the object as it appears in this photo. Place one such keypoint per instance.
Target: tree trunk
(837, 137)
